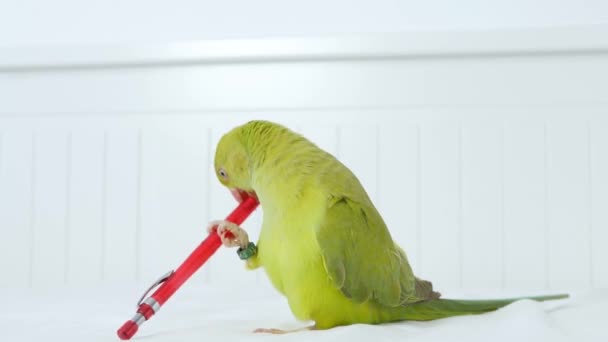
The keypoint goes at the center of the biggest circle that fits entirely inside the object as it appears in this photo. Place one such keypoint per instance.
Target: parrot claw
(211, 226)
(281, 332)
(237, 238)
(270, 331)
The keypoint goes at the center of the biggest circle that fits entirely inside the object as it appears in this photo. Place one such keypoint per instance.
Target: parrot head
(232, 165)
(244, 151)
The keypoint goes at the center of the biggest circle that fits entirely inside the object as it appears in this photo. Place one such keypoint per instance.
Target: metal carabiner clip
(160, 280)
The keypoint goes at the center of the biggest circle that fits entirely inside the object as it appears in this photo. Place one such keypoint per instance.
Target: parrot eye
(223, 173)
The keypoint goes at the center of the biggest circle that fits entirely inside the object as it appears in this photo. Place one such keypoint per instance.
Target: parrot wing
(361, 258)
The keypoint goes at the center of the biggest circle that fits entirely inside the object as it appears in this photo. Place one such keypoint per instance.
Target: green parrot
(323, 244)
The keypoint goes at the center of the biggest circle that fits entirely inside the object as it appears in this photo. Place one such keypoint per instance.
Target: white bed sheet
(213, 314)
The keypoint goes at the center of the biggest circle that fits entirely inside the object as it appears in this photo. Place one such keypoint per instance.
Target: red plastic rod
(150, 305)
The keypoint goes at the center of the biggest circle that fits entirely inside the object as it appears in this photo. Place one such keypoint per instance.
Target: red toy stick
(173, 280)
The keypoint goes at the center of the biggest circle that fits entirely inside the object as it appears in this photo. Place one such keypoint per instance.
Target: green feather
(442, 308)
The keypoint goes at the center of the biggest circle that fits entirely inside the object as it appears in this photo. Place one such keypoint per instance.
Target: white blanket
(202, 313)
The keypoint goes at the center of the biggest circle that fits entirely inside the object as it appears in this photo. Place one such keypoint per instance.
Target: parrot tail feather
(442, 308)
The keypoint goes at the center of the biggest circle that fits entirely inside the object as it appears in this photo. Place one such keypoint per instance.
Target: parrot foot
(281, 332)
(238, 236)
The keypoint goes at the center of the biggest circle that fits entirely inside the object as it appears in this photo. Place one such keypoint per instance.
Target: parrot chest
(289, 250)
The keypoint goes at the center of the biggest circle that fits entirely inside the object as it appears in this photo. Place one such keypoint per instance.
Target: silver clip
(160, 280)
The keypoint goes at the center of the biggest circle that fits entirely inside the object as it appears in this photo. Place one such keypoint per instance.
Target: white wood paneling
(568, 204)
(489, 168)
(121, 224)
(309, 84)
(441, 204)
(50, 184)
(86, 203)
(405, 44)
(525, 206)
(474, 202)
(16, 207)
(598, 186)
(482, 224)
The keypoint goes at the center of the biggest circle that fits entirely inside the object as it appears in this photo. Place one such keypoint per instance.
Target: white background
(479, 130)
(32, 22)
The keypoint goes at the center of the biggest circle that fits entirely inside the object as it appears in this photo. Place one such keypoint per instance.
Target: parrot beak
(240, 195)
(236, 193)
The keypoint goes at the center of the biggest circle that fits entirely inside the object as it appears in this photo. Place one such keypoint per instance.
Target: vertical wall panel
(358, 151)
(524, 205)
(86, 195)
(50, 208)
(174, 185)
(599, 200)
(121, 247)
(441, 252)
(398, 190)
(15, 207)
(568, 216)
(438, 186)
(482, 205)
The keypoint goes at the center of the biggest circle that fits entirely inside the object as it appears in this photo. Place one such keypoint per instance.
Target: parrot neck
(278, 186)
(284, 177)
(282, 164)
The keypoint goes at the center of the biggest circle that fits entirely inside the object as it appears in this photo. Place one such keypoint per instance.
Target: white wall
(488, 164)
(32, 22)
